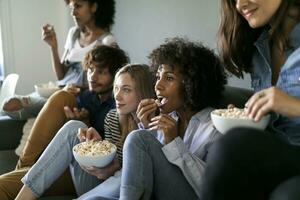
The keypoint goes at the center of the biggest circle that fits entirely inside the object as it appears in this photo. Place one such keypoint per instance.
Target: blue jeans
(57, 157)
(146, 172)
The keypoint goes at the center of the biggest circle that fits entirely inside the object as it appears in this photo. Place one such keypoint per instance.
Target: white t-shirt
(74, 55)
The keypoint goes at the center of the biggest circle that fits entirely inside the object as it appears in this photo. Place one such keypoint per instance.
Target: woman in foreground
(167, 161)
(261, 37)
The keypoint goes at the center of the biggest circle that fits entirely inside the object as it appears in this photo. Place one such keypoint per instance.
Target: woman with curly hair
(93, 21)
(167, 161)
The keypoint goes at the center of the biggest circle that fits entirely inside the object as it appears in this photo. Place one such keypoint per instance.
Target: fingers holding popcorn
(88, 134)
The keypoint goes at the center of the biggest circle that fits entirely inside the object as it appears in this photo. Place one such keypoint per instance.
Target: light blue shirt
(288, 80)
(188, 153)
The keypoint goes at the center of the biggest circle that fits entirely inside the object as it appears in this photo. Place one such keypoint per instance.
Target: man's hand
(76, 114)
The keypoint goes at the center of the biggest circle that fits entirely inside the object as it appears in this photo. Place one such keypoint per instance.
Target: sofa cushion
(236, 96)
(8, 160)
(10, 132)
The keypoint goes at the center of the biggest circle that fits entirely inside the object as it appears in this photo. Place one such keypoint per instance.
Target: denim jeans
(147, 174)
(57, 157)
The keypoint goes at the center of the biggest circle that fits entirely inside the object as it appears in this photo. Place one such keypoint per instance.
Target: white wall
(141, 25)
(28, 55)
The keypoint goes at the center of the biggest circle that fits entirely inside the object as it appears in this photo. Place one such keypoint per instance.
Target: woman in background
(93, 21)
(132, 84)
(261, 37)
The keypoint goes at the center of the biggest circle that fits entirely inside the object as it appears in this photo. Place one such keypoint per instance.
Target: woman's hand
(72, 89)
(167, 125)
(272, 99)
(86, 134)
(49, 36)
(146, 110)
(105, 172)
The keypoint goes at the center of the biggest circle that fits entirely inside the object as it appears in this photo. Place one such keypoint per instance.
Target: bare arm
(49, 36)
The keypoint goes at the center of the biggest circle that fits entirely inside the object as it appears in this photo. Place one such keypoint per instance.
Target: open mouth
(161, 101)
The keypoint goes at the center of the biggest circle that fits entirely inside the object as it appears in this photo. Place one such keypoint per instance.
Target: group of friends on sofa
(168, 150)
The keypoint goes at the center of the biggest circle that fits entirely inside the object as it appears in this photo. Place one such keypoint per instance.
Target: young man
(101, 64)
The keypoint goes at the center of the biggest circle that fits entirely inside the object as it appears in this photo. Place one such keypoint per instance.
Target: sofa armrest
(10, 132)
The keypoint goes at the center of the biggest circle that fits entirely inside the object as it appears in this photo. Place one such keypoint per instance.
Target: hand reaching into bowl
(87, 134)
(272, 99)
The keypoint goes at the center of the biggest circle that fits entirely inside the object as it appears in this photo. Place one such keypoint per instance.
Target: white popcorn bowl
(44, 90)
(95, 160)
(224, 124)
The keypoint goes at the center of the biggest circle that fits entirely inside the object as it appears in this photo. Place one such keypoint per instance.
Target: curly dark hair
(103, 56)
(105, 14)
(203, 75)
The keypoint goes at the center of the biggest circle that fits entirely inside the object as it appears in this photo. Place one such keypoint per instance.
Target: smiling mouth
(249, 13)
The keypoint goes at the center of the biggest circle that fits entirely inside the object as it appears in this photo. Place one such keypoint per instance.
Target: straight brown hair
(236, 38)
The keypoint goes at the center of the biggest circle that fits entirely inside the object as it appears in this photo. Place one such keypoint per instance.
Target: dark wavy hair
(203, 75)
(105, 14)
(236, 37)
(103, 56)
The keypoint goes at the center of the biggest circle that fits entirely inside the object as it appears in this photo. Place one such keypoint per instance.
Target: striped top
(112, 131)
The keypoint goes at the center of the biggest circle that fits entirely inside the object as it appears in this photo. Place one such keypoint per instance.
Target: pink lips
(248, 13)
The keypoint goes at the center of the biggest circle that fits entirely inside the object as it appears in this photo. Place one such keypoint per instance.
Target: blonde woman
(132, 84)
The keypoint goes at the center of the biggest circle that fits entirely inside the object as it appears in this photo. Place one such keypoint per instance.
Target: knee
(234, 144)
(61, 98)
(137, 138)
(133, 137)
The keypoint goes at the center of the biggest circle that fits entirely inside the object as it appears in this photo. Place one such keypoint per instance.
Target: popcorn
(49, 27)
(161, 101)
(233, 112)
(94, 148)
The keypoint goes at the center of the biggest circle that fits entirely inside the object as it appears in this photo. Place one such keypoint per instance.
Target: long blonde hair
(144, 86)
